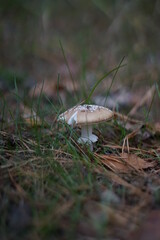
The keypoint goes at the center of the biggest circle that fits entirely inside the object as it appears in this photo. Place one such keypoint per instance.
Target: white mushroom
(85, 116)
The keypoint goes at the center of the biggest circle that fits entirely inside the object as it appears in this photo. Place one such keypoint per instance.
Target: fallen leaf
(52, 88)
(30, 116)
(48, 87)
(124, 163)
(136, 162)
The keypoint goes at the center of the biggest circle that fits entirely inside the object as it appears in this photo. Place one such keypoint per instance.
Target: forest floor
(51, 187)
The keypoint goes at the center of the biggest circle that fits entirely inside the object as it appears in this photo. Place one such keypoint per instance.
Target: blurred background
(40, 39)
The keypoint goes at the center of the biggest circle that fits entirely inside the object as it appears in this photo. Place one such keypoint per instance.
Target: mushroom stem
(86, 131)
(86, 135)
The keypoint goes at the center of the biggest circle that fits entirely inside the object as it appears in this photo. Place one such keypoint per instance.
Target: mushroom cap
(86, 115)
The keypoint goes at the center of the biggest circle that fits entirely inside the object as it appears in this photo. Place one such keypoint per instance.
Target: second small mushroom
(85, 116)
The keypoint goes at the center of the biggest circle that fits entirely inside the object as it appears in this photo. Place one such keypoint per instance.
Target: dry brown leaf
(149, 151)
(124, 163)
(30, 117)
(50, 87)
(47, 87)
(136, 162)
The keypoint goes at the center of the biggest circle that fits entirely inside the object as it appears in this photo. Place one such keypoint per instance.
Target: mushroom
(85, 116)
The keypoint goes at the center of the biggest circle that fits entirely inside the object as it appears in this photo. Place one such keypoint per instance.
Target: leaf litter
(127, 171)
(124, 163)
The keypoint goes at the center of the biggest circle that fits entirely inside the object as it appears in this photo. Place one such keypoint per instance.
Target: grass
(60, 189)
(102, 78)
(56, 187)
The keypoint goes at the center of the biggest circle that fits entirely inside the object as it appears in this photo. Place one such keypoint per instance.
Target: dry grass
(50, 186)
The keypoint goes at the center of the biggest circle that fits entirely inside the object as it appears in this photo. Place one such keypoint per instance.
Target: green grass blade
(101, 79)
(58, 94)
(158, 91)
(70, 73)
(114, 76)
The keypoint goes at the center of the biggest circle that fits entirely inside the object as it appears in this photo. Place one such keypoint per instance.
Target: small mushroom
(85, 116)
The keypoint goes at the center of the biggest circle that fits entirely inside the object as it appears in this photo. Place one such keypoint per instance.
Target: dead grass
(57, 188)
(50, 186)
